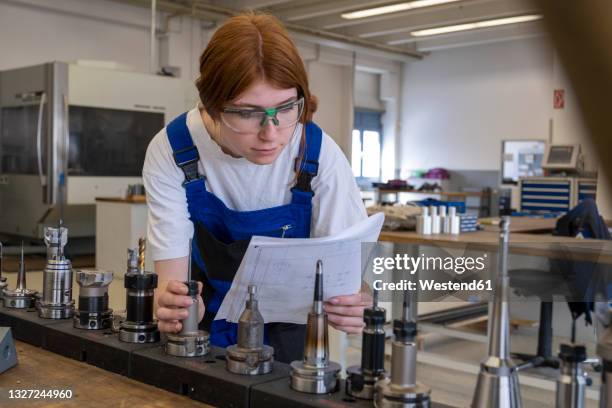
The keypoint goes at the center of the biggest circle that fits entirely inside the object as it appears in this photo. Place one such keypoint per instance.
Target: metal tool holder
(315, 374)
(139, 325)
(360, 380)
(604, 350)
(56, 301)
(250, 356)
(190, 341)
(573, 379)
(21, 297)
(498, 384)
(402, 390)
(93, 312)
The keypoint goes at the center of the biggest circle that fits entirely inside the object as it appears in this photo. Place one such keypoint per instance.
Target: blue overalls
(221, 235)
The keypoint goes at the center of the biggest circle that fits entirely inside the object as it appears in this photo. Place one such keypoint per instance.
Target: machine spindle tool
(250, 356)
(315, 374)
(190, 341)
(139, 325)
(21, 297)
(56, 301)
(361, 380)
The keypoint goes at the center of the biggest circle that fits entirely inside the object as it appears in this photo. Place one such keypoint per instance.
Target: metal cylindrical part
(189, 342)
(56, 300)
(190, 323)
(139, 325)
(21, 297)
(373, 352)
(139, 306)
(57, 282)
(572, 381)
(93, 312)
(604, 350)
(605, 396)
(316, 353)
(403, 364)
(250, 356)
(315, 374)
(251, 325)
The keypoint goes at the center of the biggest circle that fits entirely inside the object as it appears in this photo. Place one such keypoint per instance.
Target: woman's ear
(213, 127)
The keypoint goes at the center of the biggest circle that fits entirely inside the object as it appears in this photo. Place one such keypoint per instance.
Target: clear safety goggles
(251, 120)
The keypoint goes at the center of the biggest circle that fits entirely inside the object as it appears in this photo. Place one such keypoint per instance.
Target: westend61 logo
(458, 264)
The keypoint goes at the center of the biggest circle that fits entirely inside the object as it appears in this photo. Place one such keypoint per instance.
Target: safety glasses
(251, 120)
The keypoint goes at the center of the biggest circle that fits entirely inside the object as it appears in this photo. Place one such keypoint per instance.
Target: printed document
(283, 269)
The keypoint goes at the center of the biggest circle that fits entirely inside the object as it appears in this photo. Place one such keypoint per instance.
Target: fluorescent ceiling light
(394, 8)
(478, 24)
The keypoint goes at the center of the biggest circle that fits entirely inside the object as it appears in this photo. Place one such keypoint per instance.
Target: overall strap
(308, 167)
(185, 154)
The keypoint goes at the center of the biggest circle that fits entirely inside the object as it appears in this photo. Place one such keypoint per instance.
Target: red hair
(245, 49)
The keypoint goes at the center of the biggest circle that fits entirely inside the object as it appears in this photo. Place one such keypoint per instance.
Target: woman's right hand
(172, 306)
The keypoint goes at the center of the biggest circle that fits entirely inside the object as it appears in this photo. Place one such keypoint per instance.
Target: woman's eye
(245, 115)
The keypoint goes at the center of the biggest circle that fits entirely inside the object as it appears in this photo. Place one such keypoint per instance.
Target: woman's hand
(346, 312)
(172, 306)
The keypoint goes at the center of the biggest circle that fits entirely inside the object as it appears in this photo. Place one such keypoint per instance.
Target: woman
(246, 161)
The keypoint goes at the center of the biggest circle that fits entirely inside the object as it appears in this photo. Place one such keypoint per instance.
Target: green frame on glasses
(270, 113)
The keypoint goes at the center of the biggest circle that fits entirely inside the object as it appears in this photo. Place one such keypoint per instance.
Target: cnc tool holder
(315, 374)
(572, 380)
(250, 356)
(604, 350)
(20, 297)
(139, 325)
(56, 301)
(402, 390)
(361, 380)
(93, 312)
(498, 384)
(189, 342)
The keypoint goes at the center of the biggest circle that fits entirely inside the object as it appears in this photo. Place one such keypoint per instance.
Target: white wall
(38, 31)
(459, 104)
(333, 84)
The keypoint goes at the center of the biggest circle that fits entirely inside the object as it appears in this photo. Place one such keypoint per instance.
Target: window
(367, 145)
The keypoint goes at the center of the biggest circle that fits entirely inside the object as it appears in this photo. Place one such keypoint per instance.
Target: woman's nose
(268, 131)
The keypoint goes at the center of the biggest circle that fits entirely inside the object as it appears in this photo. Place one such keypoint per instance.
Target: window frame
(367, 120)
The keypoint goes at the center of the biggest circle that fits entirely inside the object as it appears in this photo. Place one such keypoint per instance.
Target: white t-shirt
(242, 186)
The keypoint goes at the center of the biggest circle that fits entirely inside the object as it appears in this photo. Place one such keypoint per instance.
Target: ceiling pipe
(207, 11)
(153, 65)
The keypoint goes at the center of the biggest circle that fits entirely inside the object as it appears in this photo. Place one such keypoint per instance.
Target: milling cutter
(20, 297)
(360, 380)
(56, 301)
(139, 325)
(402, 390)
(250, 356)
(315, 374)
(93, 312)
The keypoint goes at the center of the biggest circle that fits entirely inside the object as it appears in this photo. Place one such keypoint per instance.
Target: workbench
(91, 387)
(203, 379)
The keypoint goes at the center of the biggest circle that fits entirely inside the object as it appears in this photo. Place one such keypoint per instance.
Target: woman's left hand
(346, 312)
